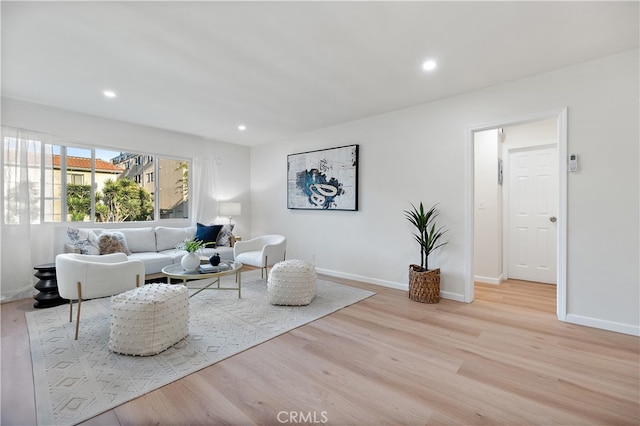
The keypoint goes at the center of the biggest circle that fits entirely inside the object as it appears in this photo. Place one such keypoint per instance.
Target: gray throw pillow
(224, 236)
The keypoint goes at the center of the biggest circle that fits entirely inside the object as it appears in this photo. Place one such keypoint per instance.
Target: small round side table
(47, 286)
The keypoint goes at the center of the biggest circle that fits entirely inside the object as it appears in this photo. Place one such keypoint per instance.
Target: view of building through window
(83, 184)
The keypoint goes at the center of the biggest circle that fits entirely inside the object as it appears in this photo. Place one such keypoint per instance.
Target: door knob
(553, 219)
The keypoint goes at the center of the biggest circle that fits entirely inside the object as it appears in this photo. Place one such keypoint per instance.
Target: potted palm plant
(424, 283)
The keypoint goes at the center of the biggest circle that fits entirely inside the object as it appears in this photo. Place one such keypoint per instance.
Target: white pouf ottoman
(149, 319)
(292, 282)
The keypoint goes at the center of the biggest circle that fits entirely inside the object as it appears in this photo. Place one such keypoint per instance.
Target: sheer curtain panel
(203, 184)
(24, 239)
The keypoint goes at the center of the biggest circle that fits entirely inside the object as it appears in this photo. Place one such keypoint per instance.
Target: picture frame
(325, 179)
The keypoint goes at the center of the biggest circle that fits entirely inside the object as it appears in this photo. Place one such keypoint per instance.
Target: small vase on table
(190, 262)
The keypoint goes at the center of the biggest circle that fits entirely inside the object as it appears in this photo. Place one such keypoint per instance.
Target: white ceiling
(283, 68)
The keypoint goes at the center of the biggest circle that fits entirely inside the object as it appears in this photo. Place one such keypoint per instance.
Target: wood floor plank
(503, 359)
(16, 375)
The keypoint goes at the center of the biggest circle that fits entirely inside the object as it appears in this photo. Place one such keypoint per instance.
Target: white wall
(418, 154)
(543, 132)
(226, 178)
(487, 208)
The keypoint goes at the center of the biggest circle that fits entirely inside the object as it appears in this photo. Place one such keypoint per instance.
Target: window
(23, 166)
(75, 179)
(77, 188)
(91, 184)
(174, 188)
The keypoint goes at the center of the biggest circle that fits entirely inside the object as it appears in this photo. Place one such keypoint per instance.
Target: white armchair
(261, 251)
(82, 276)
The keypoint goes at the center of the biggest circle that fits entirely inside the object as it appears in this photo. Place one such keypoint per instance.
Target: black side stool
(47, 286)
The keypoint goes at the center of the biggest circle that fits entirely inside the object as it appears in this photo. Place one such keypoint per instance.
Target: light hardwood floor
(503, 359)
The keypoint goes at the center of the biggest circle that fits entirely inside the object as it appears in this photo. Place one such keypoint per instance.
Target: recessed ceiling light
(242, 127)
(109, 93)
(429, 65)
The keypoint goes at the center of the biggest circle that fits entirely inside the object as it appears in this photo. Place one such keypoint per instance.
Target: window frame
(151, 160)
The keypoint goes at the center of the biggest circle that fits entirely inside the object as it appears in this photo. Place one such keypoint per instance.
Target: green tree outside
(123, 200)
(182, 184)
(79, 201)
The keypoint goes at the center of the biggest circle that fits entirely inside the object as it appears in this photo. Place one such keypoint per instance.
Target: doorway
(513, 233)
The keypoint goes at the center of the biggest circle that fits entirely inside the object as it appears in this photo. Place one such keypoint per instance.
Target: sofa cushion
(139, 239)
(250, 257)
(113, 242)
(175, 255)
(208, 233)
(167, 238)
(153, 262)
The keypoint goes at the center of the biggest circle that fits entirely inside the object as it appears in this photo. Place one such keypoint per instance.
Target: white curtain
(204, 201)
(24, 240)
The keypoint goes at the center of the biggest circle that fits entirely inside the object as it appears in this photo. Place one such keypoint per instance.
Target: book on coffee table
(209, 269)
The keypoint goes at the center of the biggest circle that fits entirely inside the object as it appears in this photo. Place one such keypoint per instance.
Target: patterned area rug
(76, 380)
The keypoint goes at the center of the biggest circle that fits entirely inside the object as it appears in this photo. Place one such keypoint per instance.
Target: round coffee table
(178, 272)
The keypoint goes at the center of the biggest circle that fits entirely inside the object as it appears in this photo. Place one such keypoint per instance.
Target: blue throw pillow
(208, 234)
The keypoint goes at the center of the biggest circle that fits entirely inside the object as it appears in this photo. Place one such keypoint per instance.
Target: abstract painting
(326, 179)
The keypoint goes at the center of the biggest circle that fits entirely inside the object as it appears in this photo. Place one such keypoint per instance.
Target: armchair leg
(137, 280)
(70, 310)
(263, 270)
(79, 303)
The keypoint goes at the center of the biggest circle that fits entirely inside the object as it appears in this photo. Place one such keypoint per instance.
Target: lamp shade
(230, 209)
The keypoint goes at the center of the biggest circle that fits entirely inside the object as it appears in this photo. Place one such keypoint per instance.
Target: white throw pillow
(84, 240)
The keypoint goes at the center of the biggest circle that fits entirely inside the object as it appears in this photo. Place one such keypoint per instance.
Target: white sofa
(154, 246)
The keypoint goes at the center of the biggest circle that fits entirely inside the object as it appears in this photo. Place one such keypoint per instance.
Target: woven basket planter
(424, 286)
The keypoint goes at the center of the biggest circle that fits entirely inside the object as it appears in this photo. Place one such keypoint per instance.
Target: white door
(533, 207)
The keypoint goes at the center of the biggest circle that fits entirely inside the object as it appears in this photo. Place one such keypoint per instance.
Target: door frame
(561, 255)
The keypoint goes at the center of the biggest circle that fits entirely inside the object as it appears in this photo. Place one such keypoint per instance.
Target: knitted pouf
(149, 319)
(292, 282)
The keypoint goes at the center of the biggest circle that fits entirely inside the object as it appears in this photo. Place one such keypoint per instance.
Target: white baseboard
(369, 280)
(456, 297)
(618, 327)
(383, 283)
(487, 280)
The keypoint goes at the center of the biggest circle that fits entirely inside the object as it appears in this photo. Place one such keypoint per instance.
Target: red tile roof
(81, 163)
